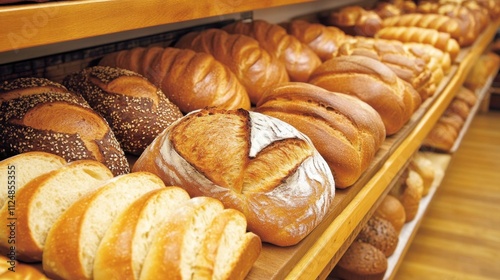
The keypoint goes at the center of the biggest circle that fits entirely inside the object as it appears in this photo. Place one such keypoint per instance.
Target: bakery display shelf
(32, 25)
(409, 230)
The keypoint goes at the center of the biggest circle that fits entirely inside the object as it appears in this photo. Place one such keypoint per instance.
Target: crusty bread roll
(361, 261)
(202, 240)
(73, 240)
(393, 211)
(128, 101)
(380, 233)
(323, 40)
(425, 168)
(346, 131)
(409, 191)
(18, 170)
(126, 243)
(373, 82)
(41, 201)
(355, 20)
(255, 67)
(191, 80)
(253, 163)
(299, 60)
(34, 117)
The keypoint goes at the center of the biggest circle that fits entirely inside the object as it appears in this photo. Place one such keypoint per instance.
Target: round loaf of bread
(253, 163)
(373, 82)
(136, 110)
(392, 210)
(191, 80)
(361, 261)
(380, 233)
(33, 118)
(346, 131)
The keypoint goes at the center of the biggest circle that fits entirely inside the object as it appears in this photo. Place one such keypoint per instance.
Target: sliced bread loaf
(124, 247)
(41, 201)
(73, 241)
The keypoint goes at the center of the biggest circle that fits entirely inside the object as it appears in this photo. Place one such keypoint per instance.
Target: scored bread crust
(44, 199)
(346, 131)
(125, 245)
(282, 203)
(73, 240)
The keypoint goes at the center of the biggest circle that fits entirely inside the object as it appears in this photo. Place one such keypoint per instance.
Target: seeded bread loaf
(136, 110)
(191, 80)
(255, 67)
(361, 261)
(380, 233)
(299, 60)
(253, 163)
(39, 115)
(41, 201)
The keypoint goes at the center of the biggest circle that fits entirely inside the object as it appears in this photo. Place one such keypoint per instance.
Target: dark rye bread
(35, 118)
(128, 101)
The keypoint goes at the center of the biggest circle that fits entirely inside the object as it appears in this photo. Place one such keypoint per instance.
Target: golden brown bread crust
(191, 80)
(393, 211)
(424, 167)
(356, 21)
(22, 271)
(380, 233)
(255, 67)
(409, 191)
(374, 83)
(256, 164)
(56, 122)
(128, 101)
(361, 261)
(299, 60)
(323, 40)
(346, 131)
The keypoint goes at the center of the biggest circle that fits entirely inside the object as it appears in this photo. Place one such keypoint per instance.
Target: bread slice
(173, 252)
(41, 201)
(73, 241)
(126, 243)
(20, 169)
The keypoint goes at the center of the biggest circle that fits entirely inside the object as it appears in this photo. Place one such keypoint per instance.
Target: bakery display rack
(59, 22)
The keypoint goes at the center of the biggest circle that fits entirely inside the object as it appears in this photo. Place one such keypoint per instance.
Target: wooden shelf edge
(325, 251)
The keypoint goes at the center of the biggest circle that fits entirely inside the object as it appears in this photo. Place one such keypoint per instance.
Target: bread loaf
(126, 243)
(409, 191)
(393, 211)
(374, 83)
(253, 163)
(424, 167)
(356, 21)
(18, 170)
(346, 131)
(21, 271)
(41, 201)
(486, 66)
(323, 40)
(361, 261)
(381, 234)
(73, 240)
(201, 240)
(36, 118)
(255, 67)
(299, 60)
(189, 79)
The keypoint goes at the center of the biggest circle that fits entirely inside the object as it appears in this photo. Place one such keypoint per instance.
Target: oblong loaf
(44, 199)
(191, 80)
(253, 163)
(255, 67)
(346, 131)
(72, 242)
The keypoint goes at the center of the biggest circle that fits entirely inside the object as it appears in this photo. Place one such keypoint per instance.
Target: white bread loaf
(253, 163)
(72, 242)
(182, 247)
(43, 200)
(18, 170)
(125, 245)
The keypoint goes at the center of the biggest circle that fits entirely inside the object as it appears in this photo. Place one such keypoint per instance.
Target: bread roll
(189, 79)
(425, 168)
(482, 70)
(361, 261)
(41, 201)
(253, 163)
(380, 233)
(128, 101)
(36, 118)
(299, 60)
(255, 67)
(409, 192)
(18, 170)
(323, 40)
(356, 21)
(346, 131)
(393, 211)
(73, 241)
(374, 83)
(126, 243)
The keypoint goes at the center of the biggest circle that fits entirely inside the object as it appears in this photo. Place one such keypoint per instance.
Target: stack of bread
(128, 226)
